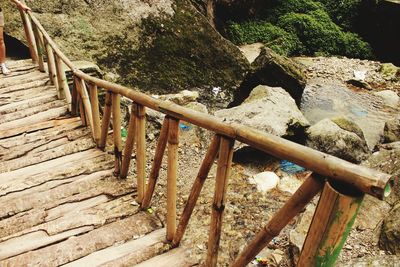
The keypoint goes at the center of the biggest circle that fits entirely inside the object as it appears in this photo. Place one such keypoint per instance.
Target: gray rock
(390, 98)
(269, 109)
(391, 131)
(371, 213)
(390, 235)
(298, 235)
(275, 70)
(342, 140)
(387, 160)
(321, 101)
(374, 261)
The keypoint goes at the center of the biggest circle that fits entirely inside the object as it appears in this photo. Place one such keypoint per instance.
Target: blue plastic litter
(290, 167)
(184, 127)
(359, 112)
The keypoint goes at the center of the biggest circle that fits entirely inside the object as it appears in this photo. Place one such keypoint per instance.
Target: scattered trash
(134, 203)
(150, 210)
(184, 127)
(360, 75)
(290, 167)
(359, 112)
(266, 181)
(216, 90)
(262, 261)
(124, 132)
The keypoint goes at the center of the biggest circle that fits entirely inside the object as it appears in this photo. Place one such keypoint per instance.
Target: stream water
(336, 100)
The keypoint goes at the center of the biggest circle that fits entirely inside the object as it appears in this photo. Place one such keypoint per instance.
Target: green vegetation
(296, 27)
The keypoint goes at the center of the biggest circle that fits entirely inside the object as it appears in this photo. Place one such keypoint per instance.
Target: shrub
(319, 34)
(276, 38)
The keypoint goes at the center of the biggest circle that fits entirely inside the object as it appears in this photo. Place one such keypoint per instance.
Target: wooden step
(79, 246)
(127, 254)
(178, 257)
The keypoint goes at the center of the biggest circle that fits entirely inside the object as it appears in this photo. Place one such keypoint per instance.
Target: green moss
(274, 37)
(349, 126)
(175, 53)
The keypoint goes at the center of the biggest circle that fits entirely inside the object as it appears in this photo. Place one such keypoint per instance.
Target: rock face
(390, 98)
(387, 160)
(390, 235)
(338, 137)
(159, 46)
(392, 130)
(269, 109)
(272, 69)
(369, 112)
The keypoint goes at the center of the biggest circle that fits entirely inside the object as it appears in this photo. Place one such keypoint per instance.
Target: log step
(177, 257)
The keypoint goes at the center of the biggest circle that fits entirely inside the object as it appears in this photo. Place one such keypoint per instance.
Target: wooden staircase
(60, 202)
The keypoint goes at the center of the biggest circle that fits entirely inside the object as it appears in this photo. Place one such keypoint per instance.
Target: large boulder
(390, 98)
(159, 46)
(387, 159)
(390, 235)
(327, 99)
(274, 70)
(392, 130)
(339, 137)
(269, 109)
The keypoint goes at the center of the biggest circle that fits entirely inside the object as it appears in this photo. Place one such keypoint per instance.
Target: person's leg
(3, 67)
(2, 47)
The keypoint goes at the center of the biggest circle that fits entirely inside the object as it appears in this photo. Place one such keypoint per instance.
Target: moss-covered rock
(176, 53)
(349, 126)
(271, 69)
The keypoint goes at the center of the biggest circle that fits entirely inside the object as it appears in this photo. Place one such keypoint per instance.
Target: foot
(5, 70)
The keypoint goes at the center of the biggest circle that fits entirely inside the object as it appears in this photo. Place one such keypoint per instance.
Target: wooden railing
(331, 174)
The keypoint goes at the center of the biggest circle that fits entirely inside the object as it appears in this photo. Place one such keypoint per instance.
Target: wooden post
(331, 224)
(51, 65)
(86, 103)
(196, 189)
(63, 89)
(30, 39)
(116, 112)
(74, 100)
(221, 183)
(39, 47)
(306, 192)
(172, 171)
(94, 101)
(105, 124)
(155, 169)
(140, 151)
(130, 141)
(82, 110)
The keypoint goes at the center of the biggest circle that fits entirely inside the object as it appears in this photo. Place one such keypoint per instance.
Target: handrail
(360, 178)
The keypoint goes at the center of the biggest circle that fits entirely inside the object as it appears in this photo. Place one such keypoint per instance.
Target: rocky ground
(248, 207)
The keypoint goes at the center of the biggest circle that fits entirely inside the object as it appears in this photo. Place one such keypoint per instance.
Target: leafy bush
(276, 38)
(295, 27)
(343, 12)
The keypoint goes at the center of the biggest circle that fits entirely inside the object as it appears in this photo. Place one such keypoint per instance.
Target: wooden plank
(85, 201)
(40, 99)
(34, 119)
(35, 240)
(10, 151)
(61, 148)
(46, 134)
(6, 84)
(178, 257)
(36, 127)
(34, 175)
(82, 245)
(126, 254)
(30, 111)
(9, 98)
